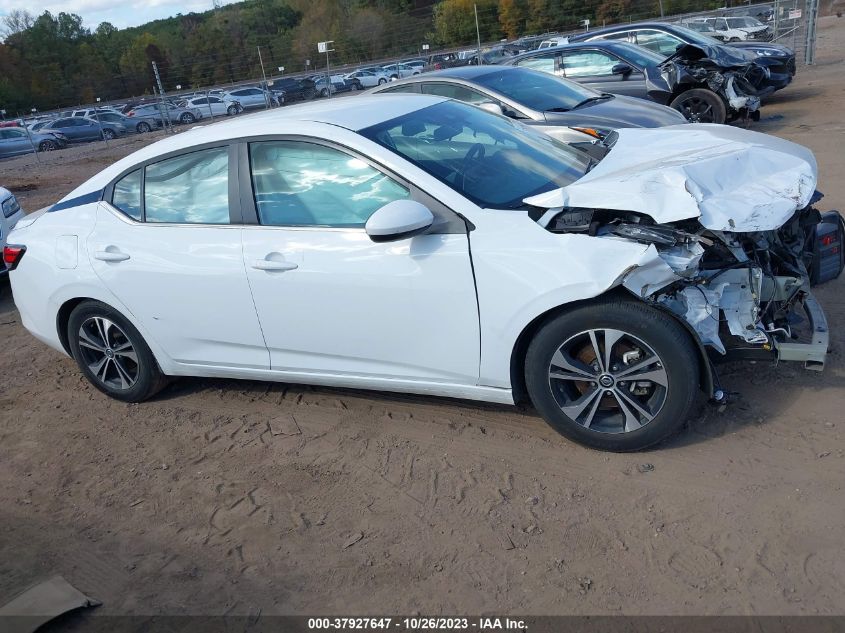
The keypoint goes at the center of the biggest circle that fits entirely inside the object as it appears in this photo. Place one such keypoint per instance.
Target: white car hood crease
(730, 179)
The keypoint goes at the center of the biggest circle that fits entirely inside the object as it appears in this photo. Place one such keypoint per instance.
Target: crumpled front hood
(730, 179)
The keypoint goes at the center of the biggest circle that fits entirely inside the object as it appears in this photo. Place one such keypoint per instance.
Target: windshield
(641, 57)
(493, 161)
(537, 90)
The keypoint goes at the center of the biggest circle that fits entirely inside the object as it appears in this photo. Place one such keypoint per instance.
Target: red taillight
(12, 255)
(827, 240)
(130, 113)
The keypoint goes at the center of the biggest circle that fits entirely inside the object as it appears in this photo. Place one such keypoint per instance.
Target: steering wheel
(475, 153)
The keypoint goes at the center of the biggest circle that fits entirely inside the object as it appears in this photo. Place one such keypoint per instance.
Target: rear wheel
(187, 117)
(382, 81)
(112, 353)
(700, 106)
(143, 128)
(324, 92)
(108, 134)
(232, 110)
(616, 375)
(47, 146)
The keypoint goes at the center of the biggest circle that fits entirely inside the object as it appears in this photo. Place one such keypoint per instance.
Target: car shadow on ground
(747, 408)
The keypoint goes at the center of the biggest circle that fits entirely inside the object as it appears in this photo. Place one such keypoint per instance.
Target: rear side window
(453, 91)
(304, 184)
(543, 63)
(127, 195)
(189, 189)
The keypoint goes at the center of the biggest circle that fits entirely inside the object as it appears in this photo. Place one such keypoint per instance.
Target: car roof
(460, 72)
(601, 44)
(619, 27)
(352, 113)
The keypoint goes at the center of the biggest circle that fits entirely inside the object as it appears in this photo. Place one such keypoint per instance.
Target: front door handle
(269, 264)
(111, 256)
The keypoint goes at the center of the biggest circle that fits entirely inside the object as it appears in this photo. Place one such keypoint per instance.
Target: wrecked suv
(416, 244)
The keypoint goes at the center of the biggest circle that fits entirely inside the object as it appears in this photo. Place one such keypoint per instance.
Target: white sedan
(211, 106)
(400, 71)
(417, 244)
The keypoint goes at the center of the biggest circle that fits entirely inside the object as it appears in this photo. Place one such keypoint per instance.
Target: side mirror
(398, 220)
(492, 106)
(621, 69)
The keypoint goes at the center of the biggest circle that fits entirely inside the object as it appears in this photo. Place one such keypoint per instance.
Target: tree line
(52, 61)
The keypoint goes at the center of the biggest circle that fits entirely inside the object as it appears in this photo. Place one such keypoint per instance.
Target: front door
(594, 68)
(174, 260)
(332, 301)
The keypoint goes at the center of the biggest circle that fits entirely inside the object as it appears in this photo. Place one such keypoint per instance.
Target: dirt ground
(237, 497)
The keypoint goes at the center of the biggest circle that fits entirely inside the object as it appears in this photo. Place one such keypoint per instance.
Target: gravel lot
(232, 497)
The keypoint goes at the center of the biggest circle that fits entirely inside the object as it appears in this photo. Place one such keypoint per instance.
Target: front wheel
(324, 92)
(108, 135)
(47, 146)
(615, 375)
(232, 110)
(187, 117)
(112, 353)
(143, 128)
(700, 106)
(382, 81)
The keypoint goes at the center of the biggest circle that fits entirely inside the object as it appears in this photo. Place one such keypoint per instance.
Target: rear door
(594, 68)
(167, 243)
(333, 302)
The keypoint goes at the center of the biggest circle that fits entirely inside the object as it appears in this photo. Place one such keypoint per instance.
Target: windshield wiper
(591, 100)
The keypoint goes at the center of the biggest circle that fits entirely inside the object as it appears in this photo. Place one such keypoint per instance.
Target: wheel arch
(68, 306)
(520, 348)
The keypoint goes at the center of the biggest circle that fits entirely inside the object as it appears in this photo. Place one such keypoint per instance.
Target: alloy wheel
(697, 110)
(608, 381)
(108, 353)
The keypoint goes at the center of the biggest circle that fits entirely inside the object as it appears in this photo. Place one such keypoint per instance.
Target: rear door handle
(269, 264)
(111, 256)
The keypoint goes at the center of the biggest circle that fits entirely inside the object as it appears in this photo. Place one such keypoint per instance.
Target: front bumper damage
(732, 241)
(812, 354)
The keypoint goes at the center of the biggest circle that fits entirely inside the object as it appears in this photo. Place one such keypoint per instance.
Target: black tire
(232, 110)
(187, 118)
(700, 106)
(324, 92)
(148, 379)
(382, 81)
(109, 134)
(659, 333)
(47, 146)
(143, 127)
(353, 86)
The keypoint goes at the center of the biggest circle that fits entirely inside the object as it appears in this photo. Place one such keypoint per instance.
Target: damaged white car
(416, 244)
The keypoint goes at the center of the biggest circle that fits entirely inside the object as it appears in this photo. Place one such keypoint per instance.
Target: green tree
(512, 17)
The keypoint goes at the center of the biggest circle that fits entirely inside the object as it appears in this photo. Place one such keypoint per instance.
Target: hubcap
(108, 353)
(608, 381)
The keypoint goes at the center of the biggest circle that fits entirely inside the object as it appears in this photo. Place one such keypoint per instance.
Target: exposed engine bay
(744, 294)
(740, 82)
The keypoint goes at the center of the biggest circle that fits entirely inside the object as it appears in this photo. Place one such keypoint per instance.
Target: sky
(118, 12)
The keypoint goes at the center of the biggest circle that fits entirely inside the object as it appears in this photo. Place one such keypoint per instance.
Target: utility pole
(478, 34)
(265, 88)
(165, 113)
(812, 9)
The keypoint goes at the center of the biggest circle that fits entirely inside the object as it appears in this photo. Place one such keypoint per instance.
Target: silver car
(15, 141)
(157, 111)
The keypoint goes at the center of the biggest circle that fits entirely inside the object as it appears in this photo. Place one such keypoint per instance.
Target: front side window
(304, 184)
(189, 189)
(454, 91)
(587, 64)
(493, 161)
(658, 41)
(403, 88)
(127, 195)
